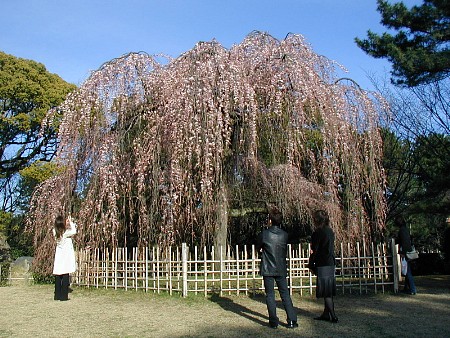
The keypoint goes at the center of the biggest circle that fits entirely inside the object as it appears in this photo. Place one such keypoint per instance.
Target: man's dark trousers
(269, 282)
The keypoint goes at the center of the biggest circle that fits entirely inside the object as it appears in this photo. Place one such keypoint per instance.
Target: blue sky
(73, 38)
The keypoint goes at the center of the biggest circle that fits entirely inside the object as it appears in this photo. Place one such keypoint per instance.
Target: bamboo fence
(360, 268)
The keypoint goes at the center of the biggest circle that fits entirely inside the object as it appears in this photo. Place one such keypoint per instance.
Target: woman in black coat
(404, 241)
(322, 247)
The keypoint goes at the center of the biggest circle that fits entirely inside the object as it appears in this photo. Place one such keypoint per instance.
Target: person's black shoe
(334, 319)
(273, 325)
(322, 317)
(291, 324)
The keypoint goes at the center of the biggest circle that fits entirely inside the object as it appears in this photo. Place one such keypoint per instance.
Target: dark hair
(276, 217)
(400, 221)
(60, 226)
(321, 219)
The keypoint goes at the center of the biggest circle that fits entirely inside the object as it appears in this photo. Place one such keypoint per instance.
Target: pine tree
(419, 52)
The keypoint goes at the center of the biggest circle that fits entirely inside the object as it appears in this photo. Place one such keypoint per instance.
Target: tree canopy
(27, 92)
(419, 51)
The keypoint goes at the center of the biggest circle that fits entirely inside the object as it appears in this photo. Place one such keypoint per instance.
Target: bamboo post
(101, 267)
(76, 273)
(349, 266)
(184, 268)
(205, 271)
(367, 274)
(213, 267)
(88, 268)
(359, 266)
(366, 268)
(141, 267)
(132, 267)
(196, 269)
(301, 266)
(115, 267)
(136, 262)
(157, 269)
(246, 269)
(289, 247)
(177, 268)
(170, 266)
(126, 268)
(154, 268)
(253, 269)
(305, 271)
(220, 271)
(310, 274)
(237, 270)
(374, 268)
(342, 268)
(395, 262)
(385, 261)
(146, 269)
(228, 268)
(96, 261)
(107, 267)
(381, 265)
(82, 266)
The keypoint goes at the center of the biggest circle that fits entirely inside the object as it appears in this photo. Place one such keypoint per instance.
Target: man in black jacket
(272, 242)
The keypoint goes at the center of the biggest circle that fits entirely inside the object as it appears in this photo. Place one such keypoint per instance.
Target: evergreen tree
(27, 92)
(419, 52)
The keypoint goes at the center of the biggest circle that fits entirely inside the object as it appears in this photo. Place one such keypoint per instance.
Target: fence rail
(360, 268)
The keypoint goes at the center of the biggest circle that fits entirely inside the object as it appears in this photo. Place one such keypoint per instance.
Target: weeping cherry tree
(162, 151)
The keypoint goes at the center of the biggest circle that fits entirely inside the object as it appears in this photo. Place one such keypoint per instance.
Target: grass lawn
(30, 311)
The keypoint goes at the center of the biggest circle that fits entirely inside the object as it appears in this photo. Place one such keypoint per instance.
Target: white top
(65, 254)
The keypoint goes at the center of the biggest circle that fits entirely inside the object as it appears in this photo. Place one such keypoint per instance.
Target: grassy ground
(30, 311)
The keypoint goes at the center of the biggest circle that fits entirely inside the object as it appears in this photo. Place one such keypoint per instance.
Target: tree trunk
(220, 238)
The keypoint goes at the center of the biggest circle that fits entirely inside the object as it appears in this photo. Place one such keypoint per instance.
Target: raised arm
(73, 228)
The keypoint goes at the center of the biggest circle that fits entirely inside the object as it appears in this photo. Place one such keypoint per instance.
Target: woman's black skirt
(326, 282)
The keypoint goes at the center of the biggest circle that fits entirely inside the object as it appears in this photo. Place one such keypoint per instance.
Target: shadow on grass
(229, 305)
(262, 319)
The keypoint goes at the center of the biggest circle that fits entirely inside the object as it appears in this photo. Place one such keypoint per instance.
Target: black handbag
(312, 263)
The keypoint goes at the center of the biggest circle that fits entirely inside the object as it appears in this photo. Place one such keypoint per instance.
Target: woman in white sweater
(64, 262)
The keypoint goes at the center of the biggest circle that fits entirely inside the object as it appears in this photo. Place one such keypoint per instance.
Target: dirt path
(30, 311)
